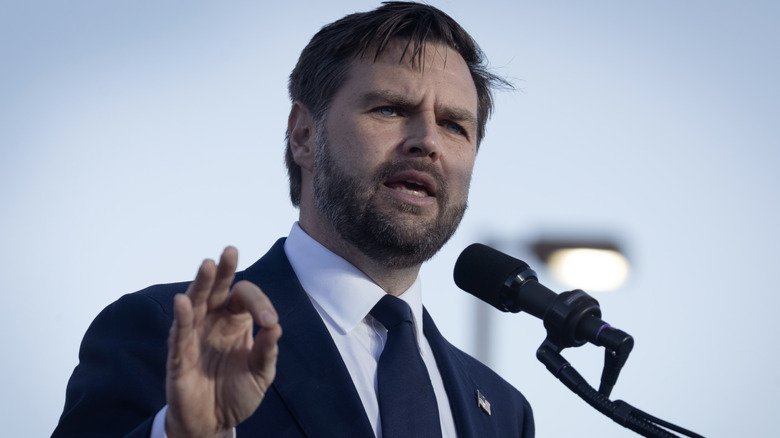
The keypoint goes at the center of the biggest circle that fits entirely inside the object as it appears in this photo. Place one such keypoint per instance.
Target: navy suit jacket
(119, 383)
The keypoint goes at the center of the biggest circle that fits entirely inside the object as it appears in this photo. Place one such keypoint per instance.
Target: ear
(300, 126)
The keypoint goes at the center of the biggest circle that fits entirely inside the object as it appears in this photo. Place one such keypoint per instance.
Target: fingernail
(267, 318)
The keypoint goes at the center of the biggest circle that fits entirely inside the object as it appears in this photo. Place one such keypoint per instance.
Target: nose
(422, 137)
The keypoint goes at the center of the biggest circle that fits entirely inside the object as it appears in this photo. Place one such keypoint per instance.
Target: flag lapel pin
(483, 403)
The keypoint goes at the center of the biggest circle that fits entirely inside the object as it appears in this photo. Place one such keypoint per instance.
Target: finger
(264, 354)
(226, 272)
(247, 297)
(180, 333)
(200, 289)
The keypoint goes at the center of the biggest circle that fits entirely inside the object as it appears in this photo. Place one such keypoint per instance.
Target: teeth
(411, 192)
(416, 184)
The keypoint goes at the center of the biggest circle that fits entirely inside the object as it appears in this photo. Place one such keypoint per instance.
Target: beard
(353, 207)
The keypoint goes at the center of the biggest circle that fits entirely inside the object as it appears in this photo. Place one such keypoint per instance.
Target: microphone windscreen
(482, 271)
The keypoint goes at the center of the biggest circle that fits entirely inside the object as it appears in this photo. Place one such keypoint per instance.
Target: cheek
(466, 182)
(359, 145)
(460, 174)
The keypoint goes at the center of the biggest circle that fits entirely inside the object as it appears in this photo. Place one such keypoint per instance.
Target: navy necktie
(407, 403)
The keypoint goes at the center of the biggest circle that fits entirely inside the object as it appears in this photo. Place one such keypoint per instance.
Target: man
(389, 107)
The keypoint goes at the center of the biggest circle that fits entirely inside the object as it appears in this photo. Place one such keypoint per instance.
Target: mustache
(388, 170)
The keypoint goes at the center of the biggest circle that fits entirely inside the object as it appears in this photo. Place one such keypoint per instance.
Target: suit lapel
(311, 377)
(470, 419)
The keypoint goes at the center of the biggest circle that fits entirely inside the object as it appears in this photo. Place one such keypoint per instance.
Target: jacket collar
(311, 378)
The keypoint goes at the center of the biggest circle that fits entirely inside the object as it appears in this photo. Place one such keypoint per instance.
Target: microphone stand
(574, 318)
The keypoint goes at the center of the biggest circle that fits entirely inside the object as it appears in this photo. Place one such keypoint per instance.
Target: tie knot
(391, 311)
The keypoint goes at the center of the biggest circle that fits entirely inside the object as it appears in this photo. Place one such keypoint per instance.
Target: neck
(394, 281)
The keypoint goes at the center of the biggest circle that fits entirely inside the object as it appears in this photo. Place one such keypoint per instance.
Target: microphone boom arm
(571, 319)
(618, 410)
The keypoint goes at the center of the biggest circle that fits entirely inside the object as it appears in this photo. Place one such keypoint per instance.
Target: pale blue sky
(137, 138)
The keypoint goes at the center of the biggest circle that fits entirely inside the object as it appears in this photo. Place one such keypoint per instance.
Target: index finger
(247, 297)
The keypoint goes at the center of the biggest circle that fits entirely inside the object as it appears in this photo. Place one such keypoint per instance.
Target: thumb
(264, 353)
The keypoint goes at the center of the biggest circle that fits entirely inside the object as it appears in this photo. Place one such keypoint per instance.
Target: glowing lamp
(595, 266)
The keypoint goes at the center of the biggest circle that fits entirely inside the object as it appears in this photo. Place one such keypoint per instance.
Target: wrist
(175, 428)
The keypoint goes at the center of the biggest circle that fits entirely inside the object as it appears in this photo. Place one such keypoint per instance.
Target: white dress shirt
(343, 295)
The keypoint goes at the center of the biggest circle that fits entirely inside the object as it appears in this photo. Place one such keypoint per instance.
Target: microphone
(510, 285)
(571, 319)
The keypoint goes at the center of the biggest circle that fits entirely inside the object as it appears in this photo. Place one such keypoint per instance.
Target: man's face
(395, 154)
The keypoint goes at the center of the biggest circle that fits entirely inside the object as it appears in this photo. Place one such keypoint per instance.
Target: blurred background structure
(137, 138)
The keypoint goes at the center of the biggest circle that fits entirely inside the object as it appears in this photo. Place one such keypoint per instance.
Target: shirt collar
(343, 292)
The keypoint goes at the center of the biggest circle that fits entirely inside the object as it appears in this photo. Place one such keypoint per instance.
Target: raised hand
(217, 373)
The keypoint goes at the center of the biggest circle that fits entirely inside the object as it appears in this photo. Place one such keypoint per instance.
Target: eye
(454, 127)
(387, 111)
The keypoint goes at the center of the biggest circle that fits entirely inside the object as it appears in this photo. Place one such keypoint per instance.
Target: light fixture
(593, 266)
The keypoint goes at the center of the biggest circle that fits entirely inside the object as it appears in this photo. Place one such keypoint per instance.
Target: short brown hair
(323, 65)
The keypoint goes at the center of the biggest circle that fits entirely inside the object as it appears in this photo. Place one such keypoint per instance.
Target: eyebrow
(388, 96)
(455, 114)
(459, 115)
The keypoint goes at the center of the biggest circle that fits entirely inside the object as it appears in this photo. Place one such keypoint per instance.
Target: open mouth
(411, 187)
